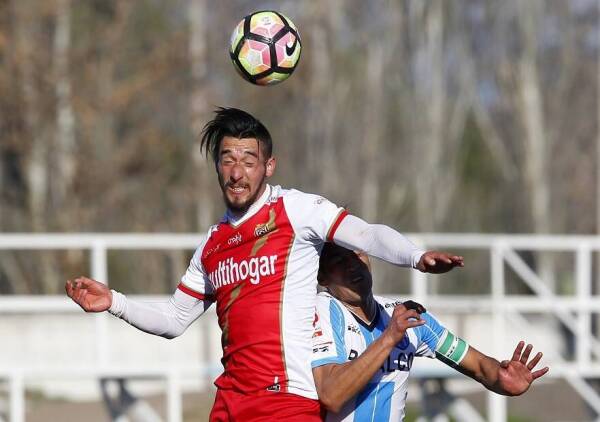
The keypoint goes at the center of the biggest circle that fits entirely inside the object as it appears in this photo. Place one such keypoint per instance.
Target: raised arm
(509, 377)
(167, 318)
(386, 243)
(338, 383)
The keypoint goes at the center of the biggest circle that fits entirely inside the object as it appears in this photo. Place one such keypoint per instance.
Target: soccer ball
(265, 47)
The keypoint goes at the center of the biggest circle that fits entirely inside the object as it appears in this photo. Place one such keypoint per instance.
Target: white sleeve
(169, 318)
(163, 318)
(377, 240)
(313, 217)
(195, 282)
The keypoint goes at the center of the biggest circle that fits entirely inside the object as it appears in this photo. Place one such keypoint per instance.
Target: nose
(236, 172)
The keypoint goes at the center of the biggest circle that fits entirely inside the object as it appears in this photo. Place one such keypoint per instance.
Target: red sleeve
(187, 290)
(335, 225)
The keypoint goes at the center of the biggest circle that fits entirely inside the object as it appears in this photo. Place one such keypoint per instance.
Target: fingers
(77, 290)
(81, 294)
(404, 317)
(458, 260)
(439, 262)
(415, 323)
(534, 361)
(69, 288)
(523, 356)
(410, 304)
(406, 314)
(504, 363)
(526, 353)
(412, 313)
(540, 373)
(517, 353)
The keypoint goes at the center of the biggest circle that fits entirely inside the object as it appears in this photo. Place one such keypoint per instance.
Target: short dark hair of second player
(331, 254)
(238, 124)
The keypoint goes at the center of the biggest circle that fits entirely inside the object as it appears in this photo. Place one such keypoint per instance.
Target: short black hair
(237, 123)
(331, 254)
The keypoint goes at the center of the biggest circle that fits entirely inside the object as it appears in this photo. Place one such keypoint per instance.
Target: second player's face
(242, 171)
(349, 276)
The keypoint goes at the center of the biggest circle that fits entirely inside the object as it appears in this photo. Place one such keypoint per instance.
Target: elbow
(332, 404)
(170, 336)
(173, 332)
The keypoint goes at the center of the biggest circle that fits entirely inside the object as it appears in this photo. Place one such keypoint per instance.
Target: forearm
(339, 383)
(377, 240)
(167, 318)
(483, 369)
(488, 376)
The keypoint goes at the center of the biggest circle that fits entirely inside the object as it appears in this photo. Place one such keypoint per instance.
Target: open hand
(516, 375)
(91, 295)
(439, 262)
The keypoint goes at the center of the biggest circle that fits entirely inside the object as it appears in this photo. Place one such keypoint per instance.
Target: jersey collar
(257, 205)
(369, 325)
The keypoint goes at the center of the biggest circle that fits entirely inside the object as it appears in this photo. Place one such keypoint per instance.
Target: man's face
(242, 171)
(348, 276)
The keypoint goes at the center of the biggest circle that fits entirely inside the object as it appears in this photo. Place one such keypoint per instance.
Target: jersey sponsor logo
(210, 251)
(353, 328)
(235, 240)
(230, 271)
(276, 387)
(394, 361)
(392, 305)
(398, 362)
(322, 347)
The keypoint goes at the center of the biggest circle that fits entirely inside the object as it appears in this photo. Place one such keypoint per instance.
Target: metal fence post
(583, 268)
(100, 273)
(174, 408)
(497, 403)
(17, 398)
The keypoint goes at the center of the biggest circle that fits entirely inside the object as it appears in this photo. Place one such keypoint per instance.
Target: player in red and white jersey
(259, 264)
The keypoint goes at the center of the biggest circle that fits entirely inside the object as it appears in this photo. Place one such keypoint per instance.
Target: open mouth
(236, 190)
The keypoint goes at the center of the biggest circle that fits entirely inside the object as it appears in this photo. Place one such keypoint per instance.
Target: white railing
(503, 308)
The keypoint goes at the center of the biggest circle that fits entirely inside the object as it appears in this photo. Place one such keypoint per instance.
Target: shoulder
(324, 300)
(297, 195)
(387, 303)
(330, 308)
(294, 196)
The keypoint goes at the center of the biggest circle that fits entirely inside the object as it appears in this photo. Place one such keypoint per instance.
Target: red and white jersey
(262, 271)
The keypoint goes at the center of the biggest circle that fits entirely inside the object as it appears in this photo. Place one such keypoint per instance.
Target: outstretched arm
(338, 383)
(167, 319)
(386, 243)
(510, 377)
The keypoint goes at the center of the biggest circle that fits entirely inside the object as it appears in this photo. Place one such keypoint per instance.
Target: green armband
(451, 348)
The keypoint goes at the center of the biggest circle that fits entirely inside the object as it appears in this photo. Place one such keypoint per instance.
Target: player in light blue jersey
(364, 346)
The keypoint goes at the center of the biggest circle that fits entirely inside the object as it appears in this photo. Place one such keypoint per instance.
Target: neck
(237, 214)
(365, 309)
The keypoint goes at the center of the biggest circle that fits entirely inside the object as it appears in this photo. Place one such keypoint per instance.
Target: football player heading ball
(259, 264)
(265, 47)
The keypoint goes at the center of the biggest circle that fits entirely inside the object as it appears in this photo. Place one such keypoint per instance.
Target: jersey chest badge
(263, 229)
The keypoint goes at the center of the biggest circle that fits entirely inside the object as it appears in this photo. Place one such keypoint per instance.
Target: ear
(270, 166)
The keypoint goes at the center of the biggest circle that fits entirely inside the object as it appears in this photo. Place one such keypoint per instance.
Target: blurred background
(474, 119)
